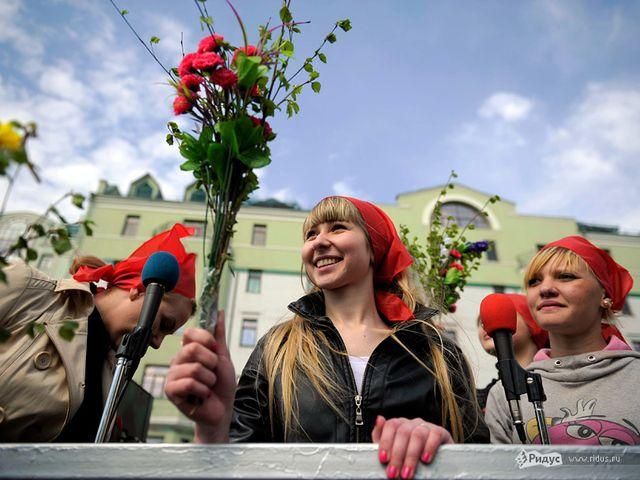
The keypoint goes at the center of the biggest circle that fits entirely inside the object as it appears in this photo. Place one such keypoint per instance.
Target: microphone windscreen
(498, 312)
(162, 268)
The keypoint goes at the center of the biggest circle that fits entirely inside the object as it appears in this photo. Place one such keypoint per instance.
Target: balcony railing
(317, 461)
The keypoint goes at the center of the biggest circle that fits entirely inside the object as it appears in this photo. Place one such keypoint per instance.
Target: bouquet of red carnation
(230, 91)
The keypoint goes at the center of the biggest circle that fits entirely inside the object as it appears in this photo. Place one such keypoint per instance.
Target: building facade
(266, 275)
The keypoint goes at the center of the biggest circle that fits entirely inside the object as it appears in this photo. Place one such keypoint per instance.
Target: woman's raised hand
(201, 382)
(402, 442)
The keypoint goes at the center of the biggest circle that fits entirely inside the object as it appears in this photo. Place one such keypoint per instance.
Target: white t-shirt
(358, 365)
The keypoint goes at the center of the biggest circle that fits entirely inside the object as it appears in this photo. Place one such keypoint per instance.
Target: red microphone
(499, 320)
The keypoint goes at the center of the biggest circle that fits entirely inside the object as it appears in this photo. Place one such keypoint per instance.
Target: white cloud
(345, 187)
(14, 33)
(589, 162)
(506, 106)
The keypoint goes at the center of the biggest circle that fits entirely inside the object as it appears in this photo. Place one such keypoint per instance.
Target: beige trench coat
(41, 378)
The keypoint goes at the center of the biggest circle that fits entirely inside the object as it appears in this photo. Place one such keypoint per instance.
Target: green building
(267, 267)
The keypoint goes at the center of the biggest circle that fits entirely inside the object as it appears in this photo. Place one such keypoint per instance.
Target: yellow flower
(9, 138)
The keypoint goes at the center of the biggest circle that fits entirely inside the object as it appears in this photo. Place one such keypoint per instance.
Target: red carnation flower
(268, 133)
(207, 61)
(453, 308)
(457, 265)
(249, 51)
(224, 77)
(455, 253)
(191, 82)
(186, 65)
(211, 43)
(181, 104)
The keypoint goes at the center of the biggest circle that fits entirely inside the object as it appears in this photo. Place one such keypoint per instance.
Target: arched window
(198, 195)
(143, 190)
(463, 213)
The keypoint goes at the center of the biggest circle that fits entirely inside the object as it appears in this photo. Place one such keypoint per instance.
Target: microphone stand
(536, 396)
(132, 348)
(522, 381)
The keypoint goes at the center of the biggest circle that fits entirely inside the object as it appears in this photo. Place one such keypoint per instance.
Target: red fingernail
(407, 473)
(392, 471)
(383, 456)
(426, 458)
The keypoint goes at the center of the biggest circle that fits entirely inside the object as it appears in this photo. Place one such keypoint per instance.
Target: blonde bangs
(333, 209)
(559, 258)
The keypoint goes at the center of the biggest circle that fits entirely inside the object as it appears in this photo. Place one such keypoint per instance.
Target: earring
(607, 303)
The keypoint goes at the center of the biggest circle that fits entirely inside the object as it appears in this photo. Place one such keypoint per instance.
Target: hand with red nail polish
(402, 442)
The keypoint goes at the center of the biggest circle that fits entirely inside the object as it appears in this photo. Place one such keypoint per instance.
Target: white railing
(317, 461)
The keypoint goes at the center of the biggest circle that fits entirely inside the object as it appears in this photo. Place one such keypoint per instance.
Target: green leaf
(228, 137)
(169, 139)
(249, 70)
(322, 57)
(31, 255)
(285, 15)
(315, 86)
(68, 329)
(61, 244)
(217, 157)
(87, 227)
(78, 199)
(308, 67)
(331, 38)
(4, 335)
(255, 158)
(452, 277)
(34, 328)
(55, 211)
(39, 229)
(206, 136)
(345, 24)
(287, 49)
(189, 165)
(124, 12)
(314, 75)
(206, 20)
(154, 39)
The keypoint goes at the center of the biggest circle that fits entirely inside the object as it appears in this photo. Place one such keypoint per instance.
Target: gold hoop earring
(607, 303)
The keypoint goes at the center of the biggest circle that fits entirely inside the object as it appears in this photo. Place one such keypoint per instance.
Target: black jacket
(394, 385)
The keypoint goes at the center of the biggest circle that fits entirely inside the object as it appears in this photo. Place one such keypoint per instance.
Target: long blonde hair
(294, 347)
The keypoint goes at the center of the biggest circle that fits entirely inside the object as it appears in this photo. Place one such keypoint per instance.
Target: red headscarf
(390, 258)
(539, 336)
(614, 278)
(127, 273)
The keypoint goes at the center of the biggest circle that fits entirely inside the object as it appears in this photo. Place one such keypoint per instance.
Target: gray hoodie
(592, 399)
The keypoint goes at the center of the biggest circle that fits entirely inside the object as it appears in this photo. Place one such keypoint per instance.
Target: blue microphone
(160, 274)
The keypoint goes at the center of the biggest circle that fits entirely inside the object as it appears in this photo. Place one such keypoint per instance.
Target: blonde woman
(590, 375)
(360, 360)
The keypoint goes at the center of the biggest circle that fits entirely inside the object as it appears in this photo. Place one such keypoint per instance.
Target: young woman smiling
(359, 361)
(590, 375)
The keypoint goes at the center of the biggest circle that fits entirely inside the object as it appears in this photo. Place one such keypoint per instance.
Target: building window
(463, 214)
(498, 288)
(198, 195)
(259, 235)
(131, 224)
(249, 333)
(198, 225)
(154, 378)
(46, 262)
(143, 190)
(492, 253)
(254, 281)
(626, 308)
(635, 344)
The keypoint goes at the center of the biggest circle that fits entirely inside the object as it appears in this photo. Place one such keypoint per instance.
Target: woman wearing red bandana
(53, 389)
(590, 375)
(359, 361)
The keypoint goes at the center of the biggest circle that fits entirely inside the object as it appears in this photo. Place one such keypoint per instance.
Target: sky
(536, 101)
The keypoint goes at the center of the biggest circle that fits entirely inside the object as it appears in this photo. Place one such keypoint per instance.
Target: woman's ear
(134, 294)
